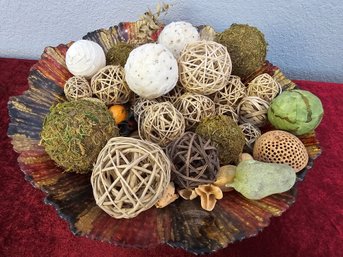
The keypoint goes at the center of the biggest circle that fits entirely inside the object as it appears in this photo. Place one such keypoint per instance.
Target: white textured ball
(151, 71)
(176, 35)
(85, 58)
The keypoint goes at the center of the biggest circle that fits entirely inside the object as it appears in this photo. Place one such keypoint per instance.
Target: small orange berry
(119, 113)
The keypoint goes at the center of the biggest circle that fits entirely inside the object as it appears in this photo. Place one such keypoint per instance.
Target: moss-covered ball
(74, 133)
(296, 111)
(247, 48)
(225, 134)
(118, 54)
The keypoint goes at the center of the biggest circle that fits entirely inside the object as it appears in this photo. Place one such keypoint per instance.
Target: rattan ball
(231, 93)
(140, 104)
(109, 85)
(194, 108)
(129, 177)
(194, 161)
(279, 146)
(77, 87)
(254, 110)
(228, 111)
(251, 133)
(265, 87)
(173, 95)
(161, 123)
(204, 67)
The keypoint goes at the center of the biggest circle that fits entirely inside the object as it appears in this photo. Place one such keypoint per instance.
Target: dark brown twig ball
(195, 161)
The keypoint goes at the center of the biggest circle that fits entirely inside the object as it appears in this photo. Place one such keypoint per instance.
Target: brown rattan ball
(194, 108)
(251, 133)
(161, 123)
(279, 146)
(228, 111)
(77, 87)
(231, 93)
(109, 85)
(194, 161)
(129, 177)
(265, 87)
(254, 110)
(204, 67)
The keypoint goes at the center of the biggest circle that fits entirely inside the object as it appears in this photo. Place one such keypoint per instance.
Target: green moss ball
(296, 111)
(74, 133)
(225, 134)
(247, 48)
(118, 54)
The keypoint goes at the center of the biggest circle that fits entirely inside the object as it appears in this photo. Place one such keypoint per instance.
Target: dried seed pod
(168, 196)
(187, 193)
(209, 194)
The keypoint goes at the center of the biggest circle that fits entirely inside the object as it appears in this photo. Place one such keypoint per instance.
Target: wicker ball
(194, 161)
(194, 108)
(251, 133)
(232, 93)
(129, 177)
(279, 146)
(140, 104)
(204, 67)
(109, 85)
(173, 95)
(265, 87)
(77, 87)
(254, 110)
(228, 111)
(161, 123)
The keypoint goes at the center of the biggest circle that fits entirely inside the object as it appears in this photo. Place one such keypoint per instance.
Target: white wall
(305, 36)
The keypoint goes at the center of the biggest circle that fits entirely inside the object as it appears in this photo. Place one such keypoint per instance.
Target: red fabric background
(313, 226)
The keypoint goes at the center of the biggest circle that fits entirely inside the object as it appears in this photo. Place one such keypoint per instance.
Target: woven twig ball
(251, 133)
(109, 85)
(204, 67)
(77, 87)
(231, 93)
(254, 110)
(194, 108)
(194, 161)
(227, 110)
(140, 104)
(129, 177)
(172, 96)
(161, 123)
(265, 87)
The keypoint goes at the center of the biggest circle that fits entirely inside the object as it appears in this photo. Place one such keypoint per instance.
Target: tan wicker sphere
(161, 123)
(204, 67)
(194, 108)
(265, 87)
(228, 111)
(129, 177)
(251, 133)
(254, 110)
(279, 146)
(231, 93)
(176, 92)
(109, 85)
(140, 104)
(76, 88)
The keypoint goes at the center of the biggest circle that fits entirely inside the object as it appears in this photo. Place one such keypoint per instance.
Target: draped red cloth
(313, 226)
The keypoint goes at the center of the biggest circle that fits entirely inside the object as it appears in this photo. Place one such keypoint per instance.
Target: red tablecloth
(313, 226)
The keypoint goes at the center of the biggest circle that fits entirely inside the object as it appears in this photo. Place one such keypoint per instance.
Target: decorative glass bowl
(182, 224)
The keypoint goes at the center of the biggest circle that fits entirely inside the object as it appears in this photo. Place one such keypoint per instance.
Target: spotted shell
(279, 146)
